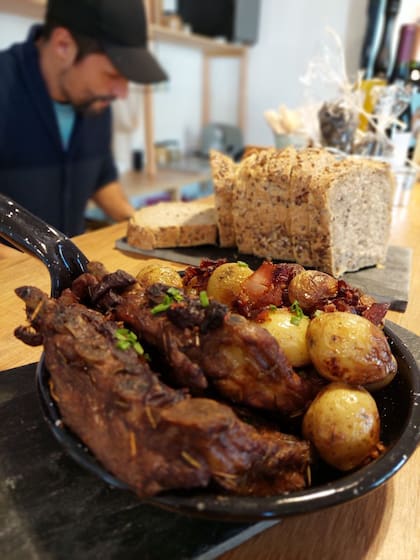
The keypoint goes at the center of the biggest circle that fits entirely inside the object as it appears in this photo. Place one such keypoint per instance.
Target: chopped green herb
(128, 339)
(242, 263)
(175, 294)
(297, 313)
(121, 334)
(272, 307)
(123, 344)
(138, 348)
(164, 306)
(172, 295)
(204, 298)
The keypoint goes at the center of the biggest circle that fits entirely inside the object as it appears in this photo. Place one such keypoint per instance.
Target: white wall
(290, 34)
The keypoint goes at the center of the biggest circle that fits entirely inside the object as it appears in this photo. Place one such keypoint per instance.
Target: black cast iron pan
(398, 403)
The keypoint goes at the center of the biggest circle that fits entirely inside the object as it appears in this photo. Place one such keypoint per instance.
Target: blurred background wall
(290, 33)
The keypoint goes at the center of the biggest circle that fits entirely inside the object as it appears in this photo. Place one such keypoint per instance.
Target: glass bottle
(383, 62)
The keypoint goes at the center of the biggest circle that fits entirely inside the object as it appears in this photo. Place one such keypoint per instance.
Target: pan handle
(34, 236)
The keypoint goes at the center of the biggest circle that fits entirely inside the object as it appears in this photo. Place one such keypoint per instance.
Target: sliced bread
(173, 224)
(306, 206)
(260, 203)
(351, 214)
(310, 163)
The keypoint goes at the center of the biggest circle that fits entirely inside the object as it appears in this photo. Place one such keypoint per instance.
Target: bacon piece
(265, 287)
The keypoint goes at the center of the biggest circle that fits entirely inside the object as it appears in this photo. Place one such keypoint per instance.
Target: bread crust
(173, 224)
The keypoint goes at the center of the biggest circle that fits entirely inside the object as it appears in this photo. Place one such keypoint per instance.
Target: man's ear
(64, 46)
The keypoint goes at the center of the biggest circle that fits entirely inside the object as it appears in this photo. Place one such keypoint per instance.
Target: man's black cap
(120, 28)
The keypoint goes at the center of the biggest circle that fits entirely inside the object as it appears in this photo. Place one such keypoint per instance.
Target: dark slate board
(387, 284)
(51, 508)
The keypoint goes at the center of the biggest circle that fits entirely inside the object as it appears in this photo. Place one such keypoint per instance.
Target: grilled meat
(238, 358)
(204, 346)
(147, 434)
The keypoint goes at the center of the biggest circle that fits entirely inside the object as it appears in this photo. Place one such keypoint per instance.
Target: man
(55, 116)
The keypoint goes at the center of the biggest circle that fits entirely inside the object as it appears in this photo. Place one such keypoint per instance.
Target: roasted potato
(349, 348)
(343, 424)
(290, 335)
(225, 281)
(155, 271)
(310, 288)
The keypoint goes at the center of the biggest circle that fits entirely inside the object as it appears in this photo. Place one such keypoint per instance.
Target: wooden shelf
(209, 46)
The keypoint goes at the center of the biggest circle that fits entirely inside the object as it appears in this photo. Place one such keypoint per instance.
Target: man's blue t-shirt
(66, 116)
(36, 170)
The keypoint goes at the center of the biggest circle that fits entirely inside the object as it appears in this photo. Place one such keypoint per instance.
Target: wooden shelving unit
(152, 176)
(206, 44)
(210, 49)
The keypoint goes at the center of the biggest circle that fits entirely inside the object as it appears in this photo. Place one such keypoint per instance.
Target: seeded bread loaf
(173, 224)
(306, 206)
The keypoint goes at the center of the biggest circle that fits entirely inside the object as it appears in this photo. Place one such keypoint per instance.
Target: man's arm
(112, 200)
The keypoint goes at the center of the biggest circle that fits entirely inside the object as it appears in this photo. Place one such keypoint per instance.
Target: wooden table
(384, 525)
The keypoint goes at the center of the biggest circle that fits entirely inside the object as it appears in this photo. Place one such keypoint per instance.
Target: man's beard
(88, 107)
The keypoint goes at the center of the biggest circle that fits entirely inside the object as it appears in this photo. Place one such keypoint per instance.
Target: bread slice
(173, 224)
(223, 172)
(260, 203)
(351, 211)
(310, 163)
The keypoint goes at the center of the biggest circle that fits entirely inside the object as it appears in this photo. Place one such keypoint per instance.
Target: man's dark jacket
(35, 170)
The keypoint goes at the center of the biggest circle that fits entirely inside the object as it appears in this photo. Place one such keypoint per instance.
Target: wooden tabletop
(384, 525)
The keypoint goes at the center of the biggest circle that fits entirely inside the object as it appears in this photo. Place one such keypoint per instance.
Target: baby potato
(225, 281)
(312, 287)
(154, 272)
(291, 336)
(343, 424)
(347, 347)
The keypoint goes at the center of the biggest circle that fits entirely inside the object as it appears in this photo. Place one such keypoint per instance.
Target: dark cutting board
(387, 284)
(51, 508)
